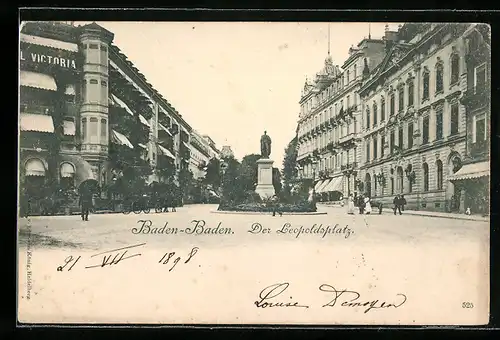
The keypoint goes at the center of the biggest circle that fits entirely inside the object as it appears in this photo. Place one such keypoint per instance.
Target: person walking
(397, 204)
(368, 206)
(403, 202)
(350, 205)
(85, 203)
(361, 204)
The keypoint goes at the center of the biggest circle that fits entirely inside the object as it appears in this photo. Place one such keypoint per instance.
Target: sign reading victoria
(40, 58)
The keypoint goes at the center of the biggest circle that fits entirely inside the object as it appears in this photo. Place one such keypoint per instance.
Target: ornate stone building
(203, 149)
(330, 121)
(414, 125)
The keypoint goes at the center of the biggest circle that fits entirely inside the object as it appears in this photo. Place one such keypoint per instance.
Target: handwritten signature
(116, 256)
(269, 297)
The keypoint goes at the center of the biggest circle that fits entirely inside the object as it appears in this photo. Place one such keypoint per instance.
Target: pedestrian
(85, 203)
(173, 204)
(361, 204)
(368, 207)
(397, 204)
(350, 205)
(403, 202)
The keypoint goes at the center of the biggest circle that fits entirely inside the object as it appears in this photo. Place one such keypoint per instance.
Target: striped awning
(61, 45)
(69, 128)
(322, 187)
(70, 90)
(34, 167)
(36, 122)
(166, 152)
(122, 104)
(83, 169)
(120, 139)
(318, 184)
(334, 185)
(37, 80)
(144, 121)
(471, 171)
(186, 145)
(162, 127)
(143, 146)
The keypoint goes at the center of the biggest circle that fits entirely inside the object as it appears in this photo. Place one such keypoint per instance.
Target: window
(367, 118)
(347, 76)
(454, 119)
(382, 144)
(354, 71)
(439, 78)
(84, 128)
(374, 114)
(104, 55)
(104, 91)
(439, 124)
(455, 68)
(348, 101)
(401, 98)
(410, 135)
(439, 170)
(93, 91)
(375, 148)
(425, 168)
(104, 130)
(393, 104)
(382, 109)
(425, 130)
(479, 129)
(400, 138)
(367, 150)
(425, 94)
(480, 77)
(392, 142)
(411, 94)
(93, 127)
(93, 54)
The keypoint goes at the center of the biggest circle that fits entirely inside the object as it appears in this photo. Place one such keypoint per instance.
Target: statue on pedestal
(265, 145)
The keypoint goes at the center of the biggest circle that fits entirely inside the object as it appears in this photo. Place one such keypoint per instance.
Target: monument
(265, 186)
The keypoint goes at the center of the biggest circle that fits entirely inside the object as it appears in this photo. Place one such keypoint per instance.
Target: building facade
(329, 123)
(83, 105)
(414, 124)
(203, 149)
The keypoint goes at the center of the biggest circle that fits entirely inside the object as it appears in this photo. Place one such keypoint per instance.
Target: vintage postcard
(254, 173)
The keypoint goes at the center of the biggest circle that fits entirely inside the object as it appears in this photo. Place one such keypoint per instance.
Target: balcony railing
(349, 138)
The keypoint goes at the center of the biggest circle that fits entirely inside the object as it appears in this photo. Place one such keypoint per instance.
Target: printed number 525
(467, 305)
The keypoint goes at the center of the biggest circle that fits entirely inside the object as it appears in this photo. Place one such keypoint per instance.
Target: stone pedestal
(265, 186)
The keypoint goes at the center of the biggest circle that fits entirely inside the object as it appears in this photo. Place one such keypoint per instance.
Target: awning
(122, 104)
(143, 146)
(323, 186)
(186, 145)
(120, 139)
(69, 128)
(34, 167)
(470, 171)
(144, 121)
(67, 170)
(166, 152)
(36, 122)
(37, 80)
(62, 45)
(70, 90)
(334, 185)
(83, 169)
(318, 184)
(162, 127)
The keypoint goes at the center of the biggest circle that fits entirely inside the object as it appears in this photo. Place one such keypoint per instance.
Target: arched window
(411, 94)
(367, 118)
(426, 75)
(393, 104)
(374, 114)
(425, 169)
(439, 170)
(104, 130)
(439, 77)
(93, 127)
(455, 68)
(67, 172)
(399, 180)
(410, 180)
(382, 109)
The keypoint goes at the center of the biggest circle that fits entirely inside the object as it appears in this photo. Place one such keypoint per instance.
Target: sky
(235, 80)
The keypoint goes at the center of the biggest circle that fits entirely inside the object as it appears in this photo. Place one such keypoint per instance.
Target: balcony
(348, 139)
(476, 97)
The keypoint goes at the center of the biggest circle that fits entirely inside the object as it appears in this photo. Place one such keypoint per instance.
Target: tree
(213, 174)
(277, 181)
(231, 189)
(290, 164)
(248, 172)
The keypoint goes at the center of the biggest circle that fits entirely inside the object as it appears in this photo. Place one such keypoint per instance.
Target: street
(433, 261)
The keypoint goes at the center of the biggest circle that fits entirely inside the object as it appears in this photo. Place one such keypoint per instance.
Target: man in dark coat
(403, 202)
(85, 203)
(361, 204)
(397, 204)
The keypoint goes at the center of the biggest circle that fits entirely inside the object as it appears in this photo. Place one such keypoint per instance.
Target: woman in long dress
(350, 205)
(368, 206)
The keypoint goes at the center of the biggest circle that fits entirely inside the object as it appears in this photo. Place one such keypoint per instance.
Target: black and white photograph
(225, 173)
